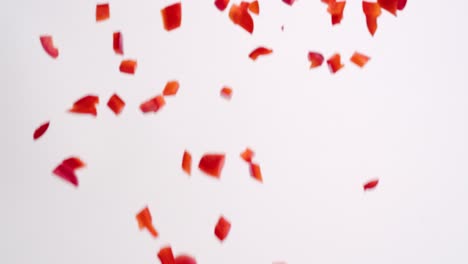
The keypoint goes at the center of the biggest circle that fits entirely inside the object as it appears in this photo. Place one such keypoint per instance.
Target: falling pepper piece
(171, 88)
(401, 4)
(372, 11)
(145, 220)
(85, 105)
(212, 164)
(128, 66)
(334, 63)
(185, 259)
(260, 51)
(247, 155)
(187, 162)
(66, 170)
(370, 184)
(315, 58)
(172, 16)
(289, 2)
(390, 5)
(102, 12)
(222, 228)
(255, 172)
(117, 43)
(153, 105)
(41, 130)
(116, 104)
(226, 92)
(336, 10)
(221, 4)
(254, 7)
(240, 16)
(47, 43)
(359, 59)
(166, 256)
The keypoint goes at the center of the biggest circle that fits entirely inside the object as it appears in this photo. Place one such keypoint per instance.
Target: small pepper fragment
(187, 162)
(47, 43)
(172, 16)
(116, 104)
(166, 256)
(372, 11)
(145, 220)
(254, 7)
(239, 15)
(289, 2)
(117, 43)
(221, 4)
(334, 63)
(226, 92)
(153, 104)
(212, 164)
(102, 12)
(336, 10)
(371, 184)
(401, 4)
(260, 51)
(255, 172)
(66, 170)
(41, 130)
(315, 58)
(74, 163)
(247, 155)
(85, 105)
(128, 66)
(171, 88)
(390, 5)
(185, 259)
(222, 228)
(359, 59)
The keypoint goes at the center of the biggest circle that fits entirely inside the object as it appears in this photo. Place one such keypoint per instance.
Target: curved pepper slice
(47, 43)
(66, 170)
(212, 164)
(390, 5)
(41, 130)
(334, 63)
(239, 15)
(172, 16)
(371, 184)
(289, 2)
(315, 58)
(85, 105)
(145, 220)
(260, 51)
(401, 4)
(372, 12)
(187, 162)
(185, 259)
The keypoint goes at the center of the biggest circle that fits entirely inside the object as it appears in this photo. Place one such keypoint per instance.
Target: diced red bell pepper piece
(315, 58)
(74, 163)
(187, 162)
(255, 172)
(86, 105)
(336, 10)
(254, 7)
(66, 170)
(166, 256)
(390, 5)
(153, 105)
(221, 4)
(47, 43)
(359, 59)
(128, 66)
(185, 259)
(371, 184)
(289, 2)
(334, 63)
(41, 130)
(172, 16)
(145, 220)
(372, 11)
(401, 4)
(212, 164)
(102, 12)
(171, 88)
(222, 228)
(117, 43)
(240, 16)
(247, 155)
(116, 104)
(226, 92)
(260, 51)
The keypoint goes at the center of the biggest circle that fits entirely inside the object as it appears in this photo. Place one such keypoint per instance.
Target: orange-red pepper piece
(222, 228)
(289, 2)
(145, 220)
(372, 12)
(226, 92)
(390, 5)
(66, 170)
(171, 88)
(153, 105)
(239, 15)
(128, 66)
(221, 4)
(260, 51)
(185, 259)
(371, 184)
(334, 63)
(41, 130)
(212, 164)
(172, 16)
(187, 162)
(86, 105)
(117, 43)
(74, 163)
(255, 172)
(315, 58)
(247, 155)
(254, 7)
(336, 11)
(116, 104)
(359, 59)
(47, 43)
(102, 12)
(401, 4)
(166, 256)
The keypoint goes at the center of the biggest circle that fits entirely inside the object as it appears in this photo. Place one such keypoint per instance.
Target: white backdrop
(318, 137)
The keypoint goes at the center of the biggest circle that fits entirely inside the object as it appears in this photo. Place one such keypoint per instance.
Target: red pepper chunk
(166, 256)
(239, 15)
(187, 163)
(66, 170)
(260, 51)
(102, 12)
(41, 130)
(226, 92)
(116, 104)
(336, 10)
(212, 164)
(371, 184)
(315, 58)
(145, 220)
(172, 16)
(222, 228)
(289, 2)
(171, 88)
(47, 43)
(372, 12)
(128, 66)
(153, 105)
(334, 63)
(255, 172)
(74, 163)
(86, 105)
(221, 4)
(390, 5)
(401, 4)
(254, 7)
(247, 155)
(117, 43)
(359, 59)
(185, 259)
